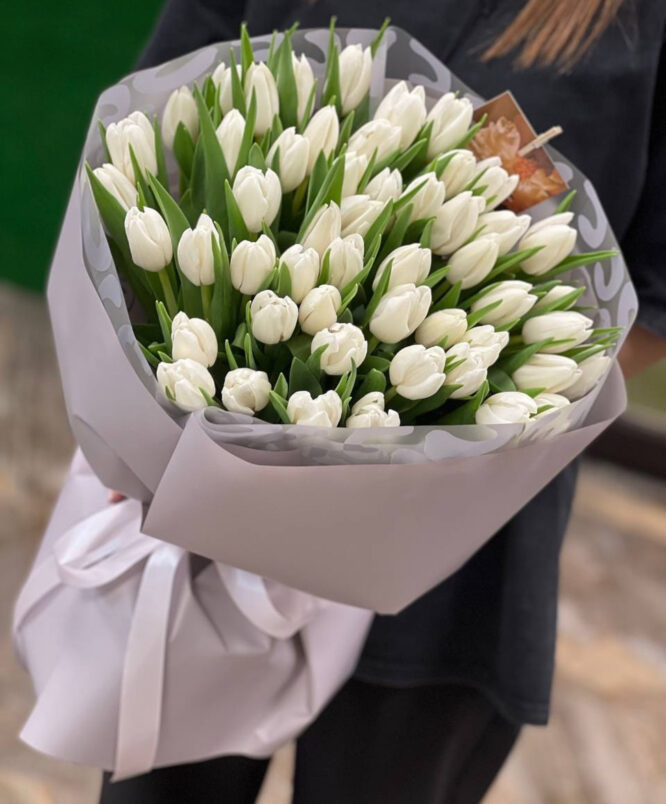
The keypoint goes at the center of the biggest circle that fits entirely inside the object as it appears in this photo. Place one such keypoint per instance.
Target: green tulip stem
(169, 298)
(388, 396)
(206, 296)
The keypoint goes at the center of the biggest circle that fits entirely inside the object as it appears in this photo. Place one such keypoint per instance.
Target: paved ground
(605, 741)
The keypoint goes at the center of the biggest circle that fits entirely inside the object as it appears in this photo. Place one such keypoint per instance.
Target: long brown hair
(554, 32)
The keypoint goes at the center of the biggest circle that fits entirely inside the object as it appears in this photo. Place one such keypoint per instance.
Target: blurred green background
(56, 59)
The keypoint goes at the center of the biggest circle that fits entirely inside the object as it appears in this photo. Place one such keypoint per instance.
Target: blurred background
(605, 742)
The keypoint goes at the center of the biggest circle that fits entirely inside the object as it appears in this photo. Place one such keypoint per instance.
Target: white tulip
(259, 79)
(322, 411)
(386, 186)
(459, 171)
(377, 135)
(149, 239)
(450, 323)
(553, 401)
(451, 118)
(258, 196)
(230, 136)
(222, 79)
(319, 309)
(274, 318)
(516, 301)
(355, 73)
(345, 260)
(195, 252)
(574, 328)
(245, 391)
(322, 134)
(304, 78)
(180, 108)
(369, 412)
(455, 222)
(303, 266)
(506, 225)
(497, 183)
(324, 227)
(556, 294)
(183, 379)
(592, 369)
(345, 344)
(507, 407)
(472, 263)
(552, 373)
(117, 183)
(557, 241)
(404, 108)
(358, 213)
(294, 154)
(409, 264)
(135, 131)
(469, 375)
(486, 343)
(428, 198)
(355, 165)
(251, 263)
(417, 372)
(193, 338)
(400, 312)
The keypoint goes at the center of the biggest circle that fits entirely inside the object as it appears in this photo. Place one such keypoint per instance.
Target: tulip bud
(304, 78)
(592, 369)
(193, 338)
(183, 380)
(469, 375)
(245, 391)
(552, 373)
(294, 152)
(303, 267)
(251, 263)
(319, 309)
(355, 165)
(410, 264)
(369, 412)
(180, 108)
(355, 73)
(117, 183)
(323, 229)
(516, 302)
(555, 294)
(451, 117)
(569, 326)
(497, 182)
(507, 407)
(377, 135)
(322, 411)
(222, 78)
(358, 213)
(230, 136)
(259, 79)
(557, 241)
(459, 171)
(258, 196)
(472, 263)
(553, 401)
(506, 225)
(400, 312)
(455, 222)
(149, 239)
(273, 318)
(428, 199)
(195, 252)
(486, 343)
(450, 323)
(345, 345)
(417, 372)
(135, 132)
(404, 109)
(322, 134)
(386, 186)
(345, 260)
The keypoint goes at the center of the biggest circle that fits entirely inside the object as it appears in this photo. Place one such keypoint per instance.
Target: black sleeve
(644, 244)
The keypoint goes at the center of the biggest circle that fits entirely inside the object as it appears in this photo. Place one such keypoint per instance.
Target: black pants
(439, 744)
